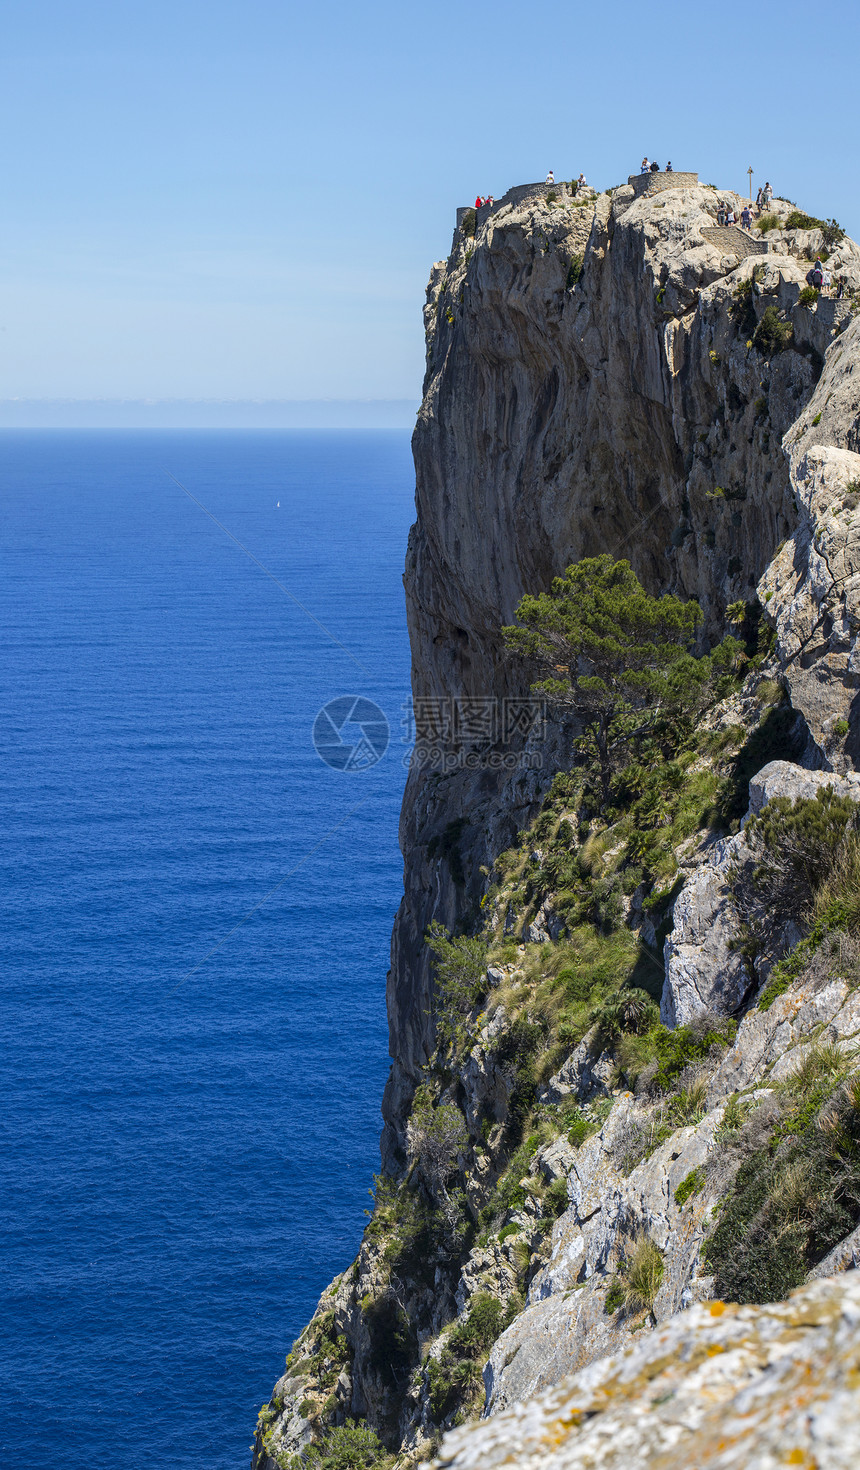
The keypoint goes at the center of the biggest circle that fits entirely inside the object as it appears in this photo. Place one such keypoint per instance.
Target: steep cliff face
(565, 1168)
(590, 387)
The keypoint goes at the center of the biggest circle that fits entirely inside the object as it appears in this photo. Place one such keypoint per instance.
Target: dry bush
(642, 1274)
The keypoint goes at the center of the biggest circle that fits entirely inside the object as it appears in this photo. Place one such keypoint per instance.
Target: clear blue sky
(207, 198)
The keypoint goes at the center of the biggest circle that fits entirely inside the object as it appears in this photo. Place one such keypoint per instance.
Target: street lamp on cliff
(750, 172)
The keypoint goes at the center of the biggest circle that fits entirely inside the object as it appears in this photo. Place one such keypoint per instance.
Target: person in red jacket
(478, 202)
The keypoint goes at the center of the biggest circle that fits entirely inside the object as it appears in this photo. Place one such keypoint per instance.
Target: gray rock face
(716, 1388)
(812, 593)
(704, 972)
(564, 1326)
(586, 1073)
(589, 388)
(592, 386)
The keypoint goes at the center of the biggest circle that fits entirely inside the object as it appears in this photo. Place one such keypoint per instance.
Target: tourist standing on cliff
(766, 196)
(826, 281)
(758, 199)
(746, 217)
(550, 178)
(669, 168)
(580, 183)
(655, 168)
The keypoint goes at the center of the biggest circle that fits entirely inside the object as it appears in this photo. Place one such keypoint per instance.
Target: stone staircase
(732, 240)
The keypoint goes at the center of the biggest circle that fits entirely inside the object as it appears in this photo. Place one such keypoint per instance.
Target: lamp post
(750, 172)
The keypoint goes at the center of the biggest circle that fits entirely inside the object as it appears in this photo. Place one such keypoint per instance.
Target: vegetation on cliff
(550, 1074)
(599, 865)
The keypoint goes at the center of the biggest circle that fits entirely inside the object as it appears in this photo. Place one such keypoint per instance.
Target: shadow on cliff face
(783, 736)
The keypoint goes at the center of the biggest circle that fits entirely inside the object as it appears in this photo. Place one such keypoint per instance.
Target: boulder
(717, 1387)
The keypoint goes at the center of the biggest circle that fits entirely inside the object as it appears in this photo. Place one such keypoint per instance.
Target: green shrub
(516, 1052)
(469, 223)
(768, 222)
(454, 1376)
(798, 845)
(460, 976)
(808, 296)
(349, 1447)
(689, 1186)
(797, 220)
(797, 1196)
(436, 1137)
(574, 270)
(832, 232)
(556, 1198)
(675, 1050)
(451, 1380)
(580, 1129)
(772, 333)
(742, 310)
(615, 1298)
(473, 1337)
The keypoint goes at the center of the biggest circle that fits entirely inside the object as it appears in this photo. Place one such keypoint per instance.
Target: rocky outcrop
(603, 375)
(706, 971)
(614, 1199)
(719, 1386)
(812, 592)
(592, 385)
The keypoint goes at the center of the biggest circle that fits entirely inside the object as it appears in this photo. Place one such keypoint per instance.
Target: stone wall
(732, 240)
(649, 183)
(518, 195)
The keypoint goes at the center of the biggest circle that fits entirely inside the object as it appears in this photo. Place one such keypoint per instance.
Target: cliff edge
(622, 1052)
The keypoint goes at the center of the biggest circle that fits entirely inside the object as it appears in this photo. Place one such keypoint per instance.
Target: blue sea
(192, 1069)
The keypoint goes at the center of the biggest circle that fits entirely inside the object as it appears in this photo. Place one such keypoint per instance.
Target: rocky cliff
(606, 374)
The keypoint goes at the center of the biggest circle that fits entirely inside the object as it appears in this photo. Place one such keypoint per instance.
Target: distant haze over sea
(207, 413)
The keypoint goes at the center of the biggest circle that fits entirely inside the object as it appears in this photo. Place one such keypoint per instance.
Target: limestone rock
(588, 389)
(703, 970)
(812, 594)
(718, 1387)
(586, 1073)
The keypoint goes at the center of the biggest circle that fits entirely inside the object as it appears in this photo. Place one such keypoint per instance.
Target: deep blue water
(185, 1161)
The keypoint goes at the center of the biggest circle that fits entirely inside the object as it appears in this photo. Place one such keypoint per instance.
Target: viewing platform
(517, 195)
(656, 182)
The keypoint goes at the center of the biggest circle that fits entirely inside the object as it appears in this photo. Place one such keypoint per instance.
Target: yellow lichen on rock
(749, 1388)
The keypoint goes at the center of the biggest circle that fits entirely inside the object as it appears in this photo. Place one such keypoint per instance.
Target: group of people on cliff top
(727, 216)
(575, 185)
(653, 168)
